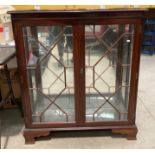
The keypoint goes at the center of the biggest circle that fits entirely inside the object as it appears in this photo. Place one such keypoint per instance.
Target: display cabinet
(78, 69)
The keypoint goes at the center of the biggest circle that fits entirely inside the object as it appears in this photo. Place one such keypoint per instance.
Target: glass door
(108, 55)
(50, 71)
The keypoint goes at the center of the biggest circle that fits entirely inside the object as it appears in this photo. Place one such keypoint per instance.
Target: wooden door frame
(134, 73)
(21, 58)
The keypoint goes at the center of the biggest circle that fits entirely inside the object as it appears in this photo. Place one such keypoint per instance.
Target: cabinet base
(130, 132)
(31, 134)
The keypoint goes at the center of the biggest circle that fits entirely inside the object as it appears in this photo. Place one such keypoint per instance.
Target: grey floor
(145, 119)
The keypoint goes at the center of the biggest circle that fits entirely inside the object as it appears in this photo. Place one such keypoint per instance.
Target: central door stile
(79, 60)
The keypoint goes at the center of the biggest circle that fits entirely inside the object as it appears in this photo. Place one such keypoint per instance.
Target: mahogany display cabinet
(78, 70)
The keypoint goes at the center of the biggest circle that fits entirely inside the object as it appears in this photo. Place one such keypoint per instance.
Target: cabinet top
(76, 11)
(82, 13)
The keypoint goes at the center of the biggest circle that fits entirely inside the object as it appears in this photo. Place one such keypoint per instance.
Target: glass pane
(108, 52)
(50, 68)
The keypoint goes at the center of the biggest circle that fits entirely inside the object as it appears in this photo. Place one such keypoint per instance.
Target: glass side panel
(50, 69)
(108, 52)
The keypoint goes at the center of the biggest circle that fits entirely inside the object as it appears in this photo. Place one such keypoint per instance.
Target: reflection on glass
(108, 51)
(49, 58)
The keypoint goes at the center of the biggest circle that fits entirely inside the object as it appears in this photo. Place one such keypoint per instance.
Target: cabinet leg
(130, 132)
(29, 139)
(30, 135)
